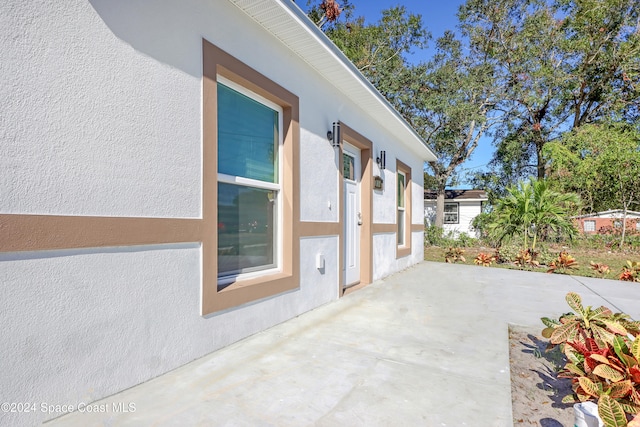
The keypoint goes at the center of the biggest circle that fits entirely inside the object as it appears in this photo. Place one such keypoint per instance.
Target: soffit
(286, 21)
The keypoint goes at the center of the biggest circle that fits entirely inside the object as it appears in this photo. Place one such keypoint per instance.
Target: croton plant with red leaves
(603, 359)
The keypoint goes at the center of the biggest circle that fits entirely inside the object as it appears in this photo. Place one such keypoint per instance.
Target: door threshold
(354, 287)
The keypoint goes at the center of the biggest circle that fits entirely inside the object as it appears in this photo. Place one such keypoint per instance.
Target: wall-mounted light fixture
(381, 160)
(334, 135)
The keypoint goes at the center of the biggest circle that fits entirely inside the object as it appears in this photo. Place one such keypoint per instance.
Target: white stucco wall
(101, 115)
(83, 157)
(384, 244)
(78, 326)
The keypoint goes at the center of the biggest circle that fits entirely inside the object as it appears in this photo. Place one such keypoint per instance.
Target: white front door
(352, 214)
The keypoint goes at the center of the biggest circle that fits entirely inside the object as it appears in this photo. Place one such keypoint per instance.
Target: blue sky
(437, 16)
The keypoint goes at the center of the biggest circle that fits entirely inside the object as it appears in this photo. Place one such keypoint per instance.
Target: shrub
(484, 260)
(527, 258)
(564, 262)
(434, 236)
(465, 240)
(452, 255)
(603, 358)
(600, 269)
(481, 224)
(507, 253)
(631, 272)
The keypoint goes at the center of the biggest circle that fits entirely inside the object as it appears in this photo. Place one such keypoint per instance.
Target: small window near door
(589, 225)
(348, 167)
(451, 213)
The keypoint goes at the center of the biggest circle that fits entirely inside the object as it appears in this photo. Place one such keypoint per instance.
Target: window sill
(403, 251)
(263, 279)
(250, 290)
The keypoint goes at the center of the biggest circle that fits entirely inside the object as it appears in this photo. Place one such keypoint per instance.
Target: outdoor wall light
(381, 160)
(334, 135)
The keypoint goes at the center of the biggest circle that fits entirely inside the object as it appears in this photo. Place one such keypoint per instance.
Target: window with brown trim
(402, 213)
(403, 209)
(251, 139)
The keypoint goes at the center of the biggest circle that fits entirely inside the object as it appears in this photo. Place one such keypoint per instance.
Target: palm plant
(531, 209)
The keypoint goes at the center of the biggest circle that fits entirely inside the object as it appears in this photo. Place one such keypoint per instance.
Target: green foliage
(602, 350)
(481, 225)
(453, 107)
(562, 64)
(380, 50)
(532, 210)
(435, 236)
(464, 240)
(430, 182)
(600, 325)
(601, 163)
(447, 100)
(508, 252)
(630, 272)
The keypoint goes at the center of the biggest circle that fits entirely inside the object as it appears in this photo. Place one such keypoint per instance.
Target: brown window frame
(217, 62)
(405, 249)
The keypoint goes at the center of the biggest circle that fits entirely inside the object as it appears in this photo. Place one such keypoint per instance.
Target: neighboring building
(460, 208)
(167, 186)
(608, 221)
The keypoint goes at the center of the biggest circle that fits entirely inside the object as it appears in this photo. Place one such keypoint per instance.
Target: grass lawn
(614, 259)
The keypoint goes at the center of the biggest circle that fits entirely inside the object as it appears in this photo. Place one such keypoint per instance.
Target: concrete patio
(424, 347)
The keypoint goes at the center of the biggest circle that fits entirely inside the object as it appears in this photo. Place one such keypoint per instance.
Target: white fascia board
(287, 22)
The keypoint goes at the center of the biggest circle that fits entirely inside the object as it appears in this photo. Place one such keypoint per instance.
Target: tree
(446, 100)
(532, 209)
(327, 12)
(563, 63)
(452, 109)
(380, 51)
(430, 183)
(602, 164)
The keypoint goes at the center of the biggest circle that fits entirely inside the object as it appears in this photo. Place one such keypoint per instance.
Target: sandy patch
(536, 393)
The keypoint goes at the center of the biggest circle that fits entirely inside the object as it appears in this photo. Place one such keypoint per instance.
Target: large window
(402, 186)
(249, 129)
(451, 213)
(250, 186)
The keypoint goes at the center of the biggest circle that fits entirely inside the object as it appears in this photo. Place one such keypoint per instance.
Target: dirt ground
(536, 393)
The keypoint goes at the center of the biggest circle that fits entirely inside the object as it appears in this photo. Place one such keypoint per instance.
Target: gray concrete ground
(425, 347)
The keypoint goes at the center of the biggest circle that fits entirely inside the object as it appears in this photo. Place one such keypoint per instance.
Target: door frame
(352, 274)
(366, 205)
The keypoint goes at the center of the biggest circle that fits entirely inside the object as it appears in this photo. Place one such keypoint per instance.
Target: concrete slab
(427, 346)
